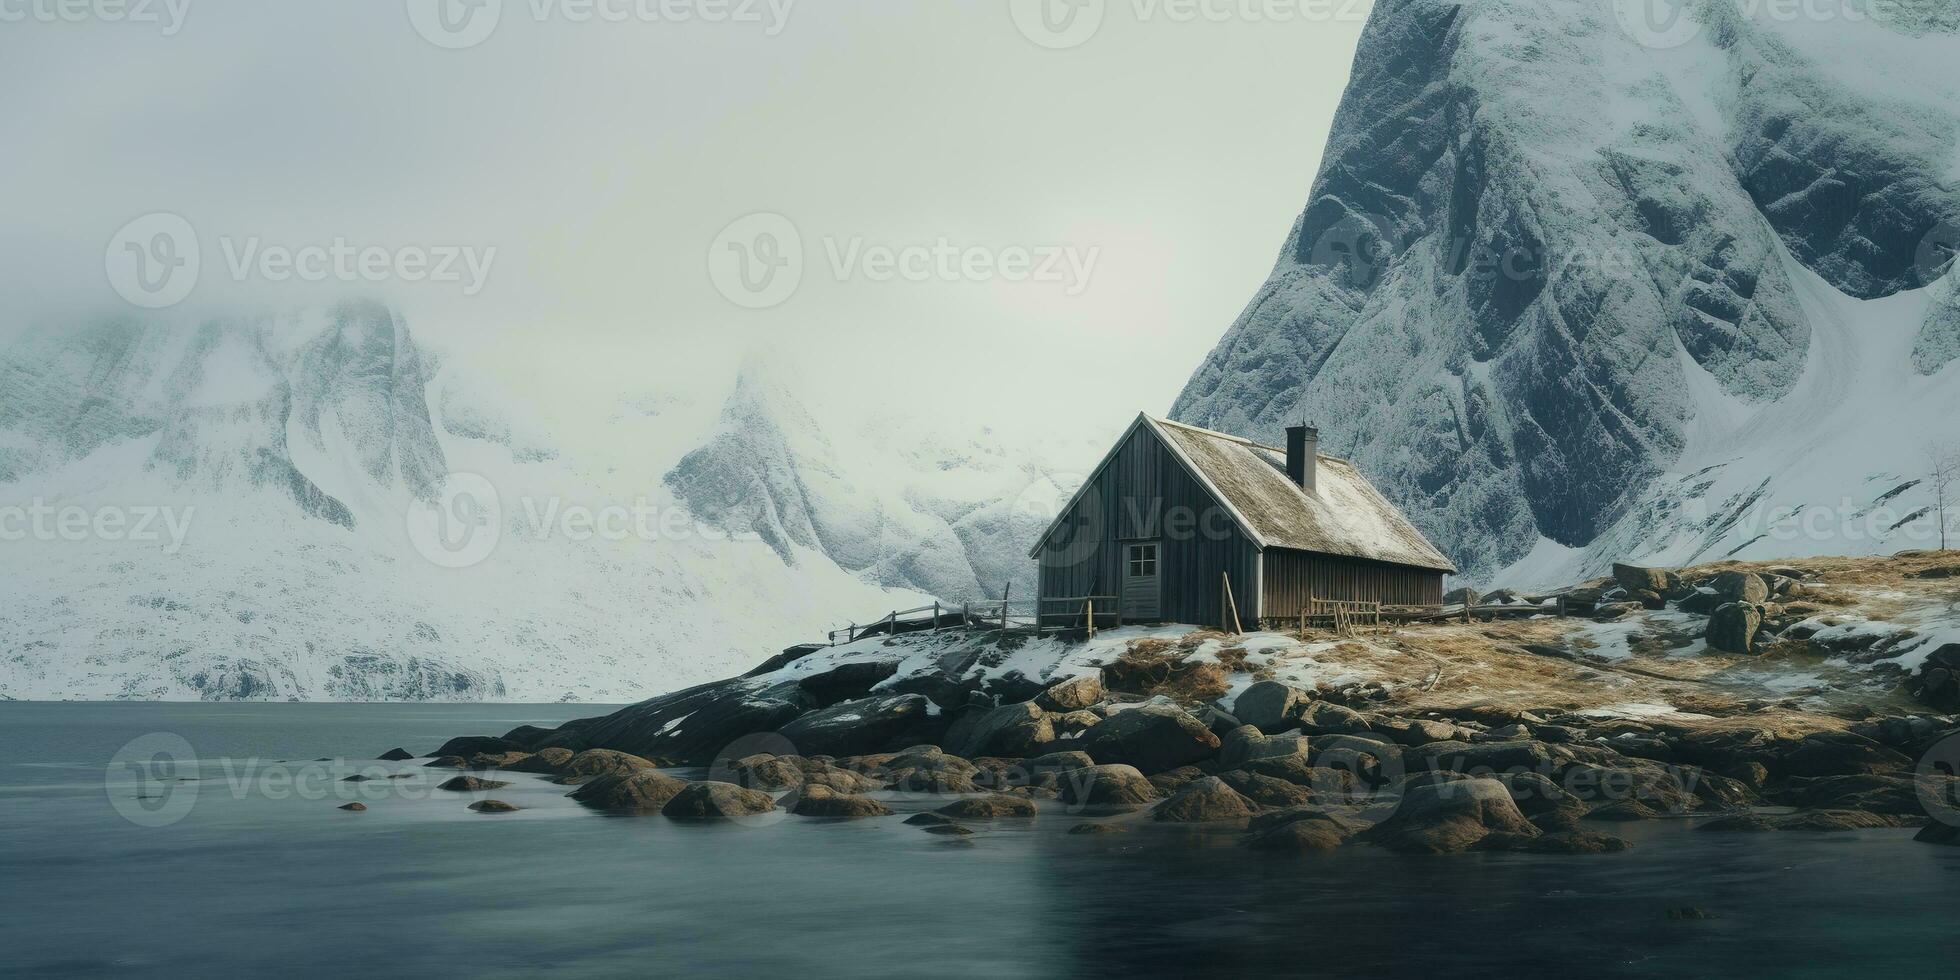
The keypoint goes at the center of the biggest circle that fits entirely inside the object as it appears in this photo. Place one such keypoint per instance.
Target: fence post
(1089, 613)
(1005, 595)
(935, 615)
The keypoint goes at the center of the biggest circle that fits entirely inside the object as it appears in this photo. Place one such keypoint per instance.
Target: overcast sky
(1163, 156)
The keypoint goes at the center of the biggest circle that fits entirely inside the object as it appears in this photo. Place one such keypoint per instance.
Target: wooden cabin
(1185, 525)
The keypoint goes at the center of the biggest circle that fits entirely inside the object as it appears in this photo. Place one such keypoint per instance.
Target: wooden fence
(1035, 616)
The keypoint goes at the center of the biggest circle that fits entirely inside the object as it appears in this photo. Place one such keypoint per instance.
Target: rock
(497, 760)
(470, 745)
(1744, 587)
(1839, 754)
(1734, 628)
(1248, 744)
(493, 806)
(1479, 759)
(447, 762)
(949, 830)
(357, 778)
(1563, 842)
(1544, 802)
(1634, 578)
(1650, 600)
(854, 727)
(769, 773)
(1085, 829)
(1153, 738)
(1271, 707)
(785, 658)
(1814, 821)
(1107, 786)
(355, 807)
(817, 801)
(1944, 834)
(1322, 718)
(1074, 723)
(1451, 816)
(1176, 779)
(849, 681)
(1221, 723)
(693, 726)
(528, 737)
(397, 755)
(1074, 694)
(1208, 800)
(711, 801)
(1302, 836)
(646, 791)
(546, 762)
(471, 784)
(1895, 795)
(927, 820)
(1419, 731)
(1268, 790)
(1013, 731)
(992, 807)
(593, 763)
(1057, 762)
(1609, 611)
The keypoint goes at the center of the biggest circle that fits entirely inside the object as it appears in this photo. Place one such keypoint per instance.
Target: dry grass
(1152, 667)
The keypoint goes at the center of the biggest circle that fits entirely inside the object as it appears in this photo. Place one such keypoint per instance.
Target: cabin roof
(1346, 516)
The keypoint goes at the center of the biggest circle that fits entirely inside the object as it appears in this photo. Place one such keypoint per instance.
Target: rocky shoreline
(844, 733)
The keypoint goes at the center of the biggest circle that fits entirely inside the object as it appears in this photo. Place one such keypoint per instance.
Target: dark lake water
(250, 870)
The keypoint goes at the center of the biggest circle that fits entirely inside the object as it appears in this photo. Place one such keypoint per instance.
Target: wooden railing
(1007, 615)
(1340, 615)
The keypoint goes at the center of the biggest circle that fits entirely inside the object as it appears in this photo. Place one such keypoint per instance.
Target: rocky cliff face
(1545, 243)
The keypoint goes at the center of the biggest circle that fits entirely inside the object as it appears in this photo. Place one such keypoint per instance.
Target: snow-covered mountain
(1577, 285)
(332, 512)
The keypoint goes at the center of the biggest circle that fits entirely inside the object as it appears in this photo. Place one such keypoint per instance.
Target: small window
(1143, 561)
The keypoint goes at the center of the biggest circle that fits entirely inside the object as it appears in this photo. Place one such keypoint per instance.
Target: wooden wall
(1145, 494)
(1291, 576)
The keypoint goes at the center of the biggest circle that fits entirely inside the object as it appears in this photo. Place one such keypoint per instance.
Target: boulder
(1636, 579)
(1057, 762)
(497, 760)
(1248, 744)
(712, 801)
(1480, 759)
(1735, 627)
(1073, 694)
(693, 726)
(1323, 718)
(1090, 829)
(493, 806)
(1153, 738)
(592, 763)
(949, 830)
(1839, 754)
(548, 762)
(1107, 786)
(354, 807)
(1451, 816)
(1945, 834)
(646, 791)
(927, 820)
(1013, 731)
(1420, 731)
(397, 755)
(1812, 821)
(1271, 707)
(1268, 790)
(818, 801)
(1895, 795)
(992, 807)
(447, 762)
(854, 727)
(470, 745)
(849, 681)
(769, 773)
(1299, 837)
(1208, 800)
(1543, 801)
(1744, 587)
(528, 737)
(1176, 779)
(471, 784)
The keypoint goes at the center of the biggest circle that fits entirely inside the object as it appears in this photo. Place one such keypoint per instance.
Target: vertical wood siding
(1145, 494)
(1292, 576)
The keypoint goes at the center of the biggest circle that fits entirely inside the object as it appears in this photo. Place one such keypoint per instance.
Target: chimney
(1303, 456)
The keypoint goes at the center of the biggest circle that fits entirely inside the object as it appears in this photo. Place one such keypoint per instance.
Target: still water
(256, 872)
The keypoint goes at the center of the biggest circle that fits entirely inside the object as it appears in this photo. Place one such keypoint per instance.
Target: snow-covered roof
(1345, 515)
